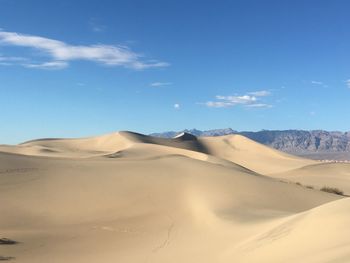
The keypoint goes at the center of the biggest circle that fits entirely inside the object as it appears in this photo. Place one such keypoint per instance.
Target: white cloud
(318, 83)
(11, 59)
(348, 83)
(260, 93)
(61, 52)
(48, 65)
(247, 100)
(234, 100)
(160, 84)
(95, 26)
(218, 104)
(259, 105)
(176, 106)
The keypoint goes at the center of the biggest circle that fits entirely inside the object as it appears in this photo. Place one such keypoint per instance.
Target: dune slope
(314, 236)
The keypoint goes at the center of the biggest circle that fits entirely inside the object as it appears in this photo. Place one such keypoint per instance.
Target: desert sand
(127, 197)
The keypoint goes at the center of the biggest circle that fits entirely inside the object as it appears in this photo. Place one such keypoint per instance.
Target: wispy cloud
(249, 100)
(160, 84)
(176, 106)
(48, 65)
(245, 99)
(348, 83)
(319, 83)
(61, 53)
(95, 26)
(218, 104)
(259, 105)
(11, 59)
(261, 93)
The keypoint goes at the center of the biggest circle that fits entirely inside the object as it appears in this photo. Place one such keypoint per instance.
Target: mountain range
(314, 144)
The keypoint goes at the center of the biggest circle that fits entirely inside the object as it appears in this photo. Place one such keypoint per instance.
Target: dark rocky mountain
(198, 133)
(317, 144)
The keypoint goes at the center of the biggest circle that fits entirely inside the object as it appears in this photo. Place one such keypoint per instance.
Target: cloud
(160, 84)
(259, 105)
(218, 104)
(48, 65)
(250, 100)
(176, 106)
(318, 83)
(348, 83)
(261, 93)
(95, 26)
(245, 99)
(60, 52)
(11, 59)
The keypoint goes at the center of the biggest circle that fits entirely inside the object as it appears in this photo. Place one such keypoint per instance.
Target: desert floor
(127, 197)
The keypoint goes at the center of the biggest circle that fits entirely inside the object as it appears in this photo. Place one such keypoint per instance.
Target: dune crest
(82, 147)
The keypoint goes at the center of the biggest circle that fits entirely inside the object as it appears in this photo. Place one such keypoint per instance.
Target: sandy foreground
(127, 197)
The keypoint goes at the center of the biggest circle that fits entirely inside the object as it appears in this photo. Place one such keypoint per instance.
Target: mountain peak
(185, 136)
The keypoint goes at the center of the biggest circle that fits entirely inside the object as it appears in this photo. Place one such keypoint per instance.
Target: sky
(82, 68)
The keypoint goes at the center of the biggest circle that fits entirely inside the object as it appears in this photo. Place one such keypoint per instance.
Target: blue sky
(80, 68)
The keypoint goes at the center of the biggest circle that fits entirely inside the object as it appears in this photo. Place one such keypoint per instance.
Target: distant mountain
(198, 133)
(317, 144)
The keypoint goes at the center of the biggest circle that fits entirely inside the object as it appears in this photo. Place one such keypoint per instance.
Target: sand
(127, 197)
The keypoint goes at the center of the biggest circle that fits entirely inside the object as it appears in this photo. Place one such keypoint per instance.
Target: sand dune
(100, 145)
(126, 197)
(314, 236)
(85, 147)
(252, 155)
(320, 175)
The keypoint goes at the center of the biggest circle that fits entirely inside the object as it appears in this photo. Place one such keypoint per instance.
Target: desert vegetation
(6, 241)
(328, 189)
(332, 190)
(2, 258)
